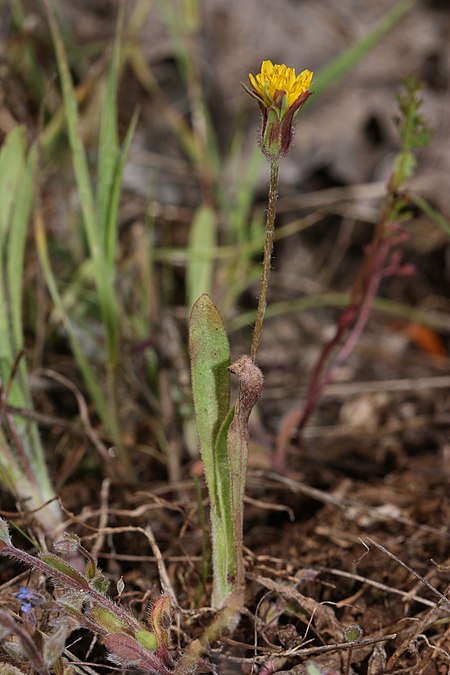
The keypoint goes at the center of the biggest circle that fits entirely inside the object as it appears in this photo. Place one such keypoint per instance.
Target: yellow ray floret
(276, 78)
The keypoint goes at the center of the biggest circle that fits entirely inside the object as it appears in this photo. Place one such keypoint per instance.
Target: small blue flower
(31, 599)
(23, 594)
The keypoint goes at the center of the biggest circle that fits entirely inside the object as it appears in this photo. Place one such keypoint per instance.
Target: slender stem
(268, 248)
(69, 578)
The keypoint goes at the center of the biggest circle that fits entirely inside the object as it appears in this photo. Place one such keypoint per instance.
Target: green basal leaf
(210, 358)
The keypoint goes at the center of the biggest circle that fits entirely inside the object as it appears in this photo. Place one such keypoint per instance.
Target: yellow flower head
(280, 94)
(274, 79)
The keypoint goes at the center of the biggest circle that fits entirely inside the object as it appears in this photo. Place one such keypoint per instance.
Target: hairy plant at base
(84, 603)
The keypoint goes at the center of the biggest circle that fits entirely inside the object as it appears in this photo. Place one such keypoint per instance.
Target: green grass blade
(16, 195)
(23, 469)
(436, 321)
(108, 150)
(104, 273)
(19, 394)
(104, 276)
(239, 214)
(116, 185)
(12, 162)
(10, 473)
(17, 12)
(17, 241)
(351, 56)
(93, 235)
(201, 240)
(34, 490)
(431, 212)
(104, 280)
(79, 159)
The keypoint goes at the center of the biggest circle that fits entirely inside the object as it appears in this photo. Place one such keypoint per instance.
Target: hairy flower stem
(268, 248)
(68, 579)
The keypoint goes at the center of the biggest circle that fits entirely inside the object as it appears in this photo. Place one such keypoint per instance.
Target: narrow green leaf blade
(341, 65)
(17, 239)
(108, 151)
(79, 158)
(12, 159)
(432, 213)
(201, 264)
(114, 195)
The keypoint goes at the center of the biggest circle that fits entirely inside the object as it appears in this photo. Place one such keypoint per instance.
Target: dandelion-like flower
(280, 94)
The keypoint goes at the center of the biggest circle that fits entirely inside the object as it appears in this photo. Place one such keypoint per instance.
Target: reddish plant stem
(362, 316)
(356, 317)
(377, 265)
(315, 385)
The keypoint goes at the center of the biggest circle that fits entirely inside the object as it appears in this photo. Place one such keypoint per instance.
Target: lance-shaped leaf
(210, 358)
